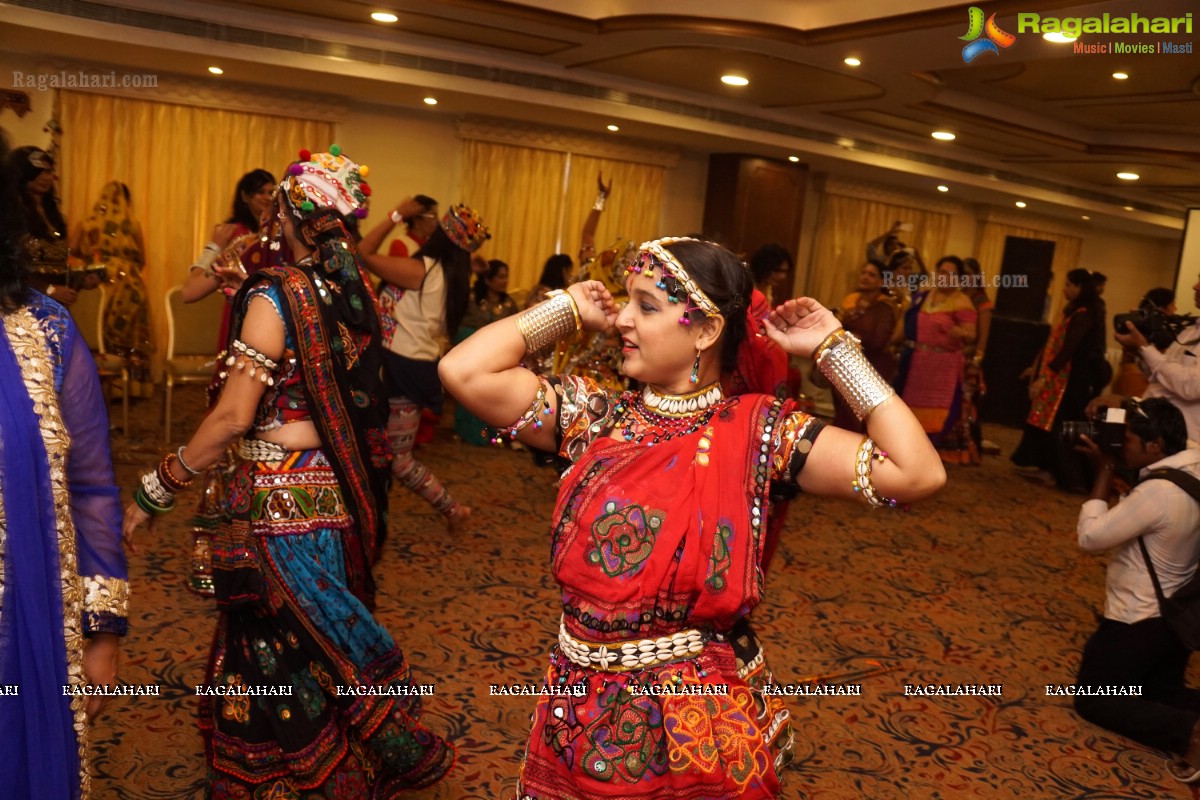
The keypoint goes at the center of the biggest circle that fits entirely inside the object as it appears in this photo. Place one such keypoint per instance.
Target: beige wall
(1133, 264)
(407, 152)
(683, 195)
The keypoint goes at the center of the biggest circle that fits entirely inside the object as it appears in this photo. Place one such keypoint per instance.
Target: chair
(191, 343)
(88, 313)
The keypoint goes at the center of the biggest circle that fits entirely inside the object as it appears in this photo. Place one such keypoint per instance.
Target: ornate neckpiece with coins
(653, 416)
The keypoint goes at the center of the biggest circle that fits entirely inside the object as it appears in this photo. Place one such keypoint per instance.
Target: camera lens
(1073, 429)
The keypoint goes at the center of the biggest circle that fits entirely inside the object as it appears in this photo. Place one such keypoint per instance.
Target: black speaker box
(1013, 344)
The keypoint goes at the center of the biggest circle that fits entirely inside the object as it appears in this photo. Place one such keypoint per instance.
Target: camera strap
(1189, 484)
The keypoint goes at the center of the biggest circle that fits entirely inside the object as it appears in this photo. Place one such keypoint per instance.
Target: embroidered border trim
(103, 595)
(34, 360)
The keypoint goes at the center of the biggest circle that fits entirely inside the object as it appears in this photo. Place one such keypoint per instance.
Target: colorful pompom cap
(465, 228)
(305, 154)
(327, 180)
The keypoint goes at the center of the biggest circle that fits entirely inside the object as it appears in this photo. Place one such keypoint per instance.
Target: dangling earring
(696, 367)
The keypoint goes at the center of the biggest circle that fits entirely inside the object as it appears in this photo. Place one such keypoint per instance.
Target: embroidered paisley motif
(624, 538)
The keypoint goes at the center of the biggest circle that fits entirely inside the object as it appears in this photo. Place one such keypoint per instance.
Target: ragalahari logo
(996, 38)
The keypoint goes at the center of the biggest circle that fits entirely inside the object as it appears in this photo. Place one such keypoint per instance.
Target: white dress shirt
(1168, 519)
(1175, 375)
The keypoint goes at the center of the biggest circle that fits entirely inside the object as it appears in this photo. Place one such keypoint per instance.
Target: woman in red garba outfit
(659, 530)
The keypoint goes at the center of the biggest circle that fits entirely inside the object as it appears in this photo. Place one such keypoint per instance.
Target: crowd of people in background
(332, 355)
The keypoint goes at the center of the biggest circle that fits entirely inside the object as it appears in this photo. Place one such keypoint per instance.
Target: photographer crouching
(1168, 348)
(1134, 645)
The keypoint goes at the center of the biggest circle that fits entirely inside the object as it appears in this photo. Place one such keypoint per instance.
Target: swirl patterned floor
(982, 585)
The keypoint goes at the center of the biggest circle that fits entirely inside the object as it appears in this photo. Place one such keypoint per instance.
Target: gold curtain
(991, 253)
(632, 212)
(845, 226)
(181, 164)
(519, 193)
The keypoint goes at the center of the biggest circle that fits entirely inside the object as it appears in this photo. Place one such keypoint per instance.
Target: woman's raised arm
(484, 372)
(909, 469)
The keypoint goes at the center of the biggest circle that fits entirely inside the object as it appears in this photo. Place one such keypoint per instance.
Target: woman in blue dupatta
(306, 693)
(63, 590)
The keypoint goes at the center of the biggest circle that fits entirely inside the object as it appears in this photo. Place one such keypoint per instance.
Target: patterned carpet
(982, 585)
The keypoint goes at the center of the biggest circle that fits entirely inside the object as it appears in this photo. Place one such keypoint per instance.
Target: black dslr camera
(1106, 428)
(1159, 327)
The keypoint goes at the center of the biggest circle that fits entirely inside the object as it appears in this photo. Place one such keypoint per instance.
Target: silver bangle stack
(553, 319)
(601, 199)
(840, 359)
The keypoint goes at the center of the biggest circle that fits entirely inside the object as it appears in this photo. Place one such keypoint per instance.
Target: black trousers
(1146, 654)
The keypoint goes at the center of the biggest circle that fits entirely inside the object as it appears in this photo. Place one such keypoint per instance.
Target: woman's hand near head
(408, 207)
(800, 325)
(597, 309)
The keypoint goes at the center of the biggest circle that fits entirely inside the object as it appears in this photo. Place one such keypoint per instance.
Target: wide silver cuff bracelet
(841, 360)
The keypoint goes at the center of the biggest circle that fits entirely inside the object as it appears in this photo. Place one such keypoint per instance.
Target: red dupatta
(1051, 385)
(655, 538)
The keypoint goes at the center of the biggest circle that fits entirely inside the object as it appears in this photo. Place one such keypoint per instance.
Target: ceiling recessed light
(384, 16)
(1058, 37)
(1129, 208)
(431, 101)
(1019, 204)
(943, 188)
(216, 70)
(735, 80)
(851, 62)
(943, 136)
(614, 128)
(793, 159)
(1121, 75)
(1084, 216)
(1128, 176)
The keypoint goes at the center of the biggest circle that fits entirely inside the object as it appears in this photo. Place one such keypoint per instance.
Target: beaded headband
(326, 180)
(654, 255)
(465, 228)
